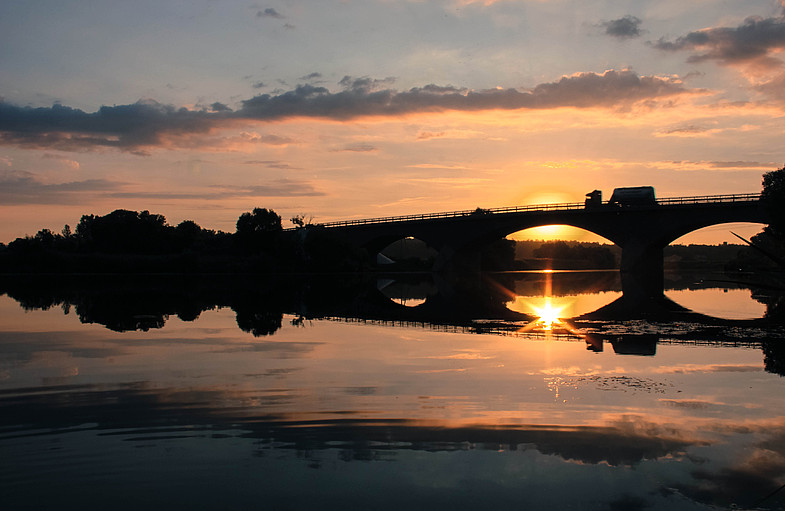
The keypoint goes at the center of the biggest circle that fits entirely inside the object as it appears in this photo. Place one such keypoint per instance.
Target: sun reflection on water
(548, 315)
(548, 312)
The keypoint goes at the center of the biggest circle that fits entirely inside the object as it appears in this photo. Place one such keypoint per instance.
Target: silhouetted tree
(259, 322)
(259, 230)
(774, 356)
(188, 234)
(773, 201)
(188, 228)
(123, 231)
(45, 237)
(588, 255)
(260, 221)
(769, 244)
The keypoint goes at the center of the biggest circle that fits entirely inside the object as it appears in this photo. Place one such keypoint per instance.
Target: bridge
(641, 230)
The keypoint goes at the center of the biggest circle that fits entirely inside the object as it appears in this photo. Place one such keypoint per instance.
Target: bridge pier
(444, 258)
(642, 269)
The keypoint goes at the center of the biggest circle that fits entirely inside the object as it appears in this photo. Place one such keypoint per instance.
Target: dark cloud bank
(269, 13)
(751, 42)
(624, 28)
(150, 124)
(19, 187)
(25, 188)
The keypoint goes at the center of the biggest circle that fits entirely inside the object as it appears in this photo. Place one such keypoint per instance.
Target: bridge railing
(709, 199)
(565, 206)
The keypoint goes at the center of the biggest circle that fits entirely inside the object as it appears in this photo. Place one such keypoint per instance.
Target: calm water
(393, 394)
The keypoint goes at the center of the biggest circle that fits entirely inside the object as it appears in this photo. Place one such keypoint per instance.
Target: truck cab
(594, 199)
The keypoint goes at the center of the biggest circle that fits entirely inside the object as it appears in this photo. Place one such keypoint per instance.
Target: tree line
(131, 241)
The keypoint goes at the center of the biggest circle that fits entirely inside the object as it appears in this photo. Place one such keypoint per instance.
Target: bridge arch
(408, 250)
(709, 235)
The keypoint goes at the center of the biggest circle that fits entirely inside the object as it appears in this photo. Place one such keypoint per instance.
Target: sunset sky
(340, 109)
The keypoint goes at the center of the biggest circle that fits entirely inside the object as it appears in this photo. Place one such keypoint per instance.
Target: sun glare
(546, 232)
(557, 232)
(548, 315)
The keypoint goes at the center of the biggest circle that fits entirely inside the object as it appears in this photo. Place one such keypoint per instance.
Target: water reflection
(720, 302)
(332, 394)
(124, 304)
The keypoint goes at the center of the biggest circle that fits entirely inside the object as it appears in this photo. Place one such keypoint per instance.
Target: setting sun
(558, 232)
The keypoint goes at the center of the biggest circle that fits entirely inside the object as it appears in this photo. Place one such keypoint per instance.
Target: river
(527, 390)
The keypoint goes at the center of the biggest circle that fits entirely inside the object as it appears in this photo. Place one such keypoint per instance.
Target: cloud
(438, 166)
(689, 130)
(20, 187)
(451, 134)
(625, 27)
(270, 13)
(752, 42)
(273, 164)
(72, 164)
(360, 99)
(275, 140)
(357, 148)
(484, 3)
(141, 124)
(740, 165)
(427, 135)
(219, 107)
(774, 88)
(315, 76)
(149, 124)
(274, 188)
(458, 182)
(367, 84)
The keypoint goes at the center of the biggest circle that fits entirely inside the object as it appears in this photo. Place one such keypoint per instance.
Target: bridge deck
(668, 201)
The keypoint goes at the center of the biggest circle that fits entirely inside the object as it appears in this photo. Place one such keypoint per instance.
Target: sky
(339, 109)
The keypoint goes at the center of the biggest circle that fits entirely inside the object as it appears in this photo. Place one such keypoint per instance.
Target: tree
(259, 231)
(45, 237)
(260, 221)
(123, 231)
(188, 230)
(187, 234)
(773, 200)
(302, 220)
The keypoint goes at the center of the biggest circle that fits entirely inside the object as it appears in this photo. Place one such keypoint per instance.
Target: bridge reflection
(482, 303)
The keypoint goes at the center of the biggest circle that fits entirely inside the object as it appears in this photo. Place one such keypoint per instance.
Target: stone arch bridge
(640, 230)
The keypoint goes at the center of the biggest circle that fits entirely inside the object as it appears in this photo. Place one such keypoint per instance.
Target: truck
(632, 196)
(594, 199)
